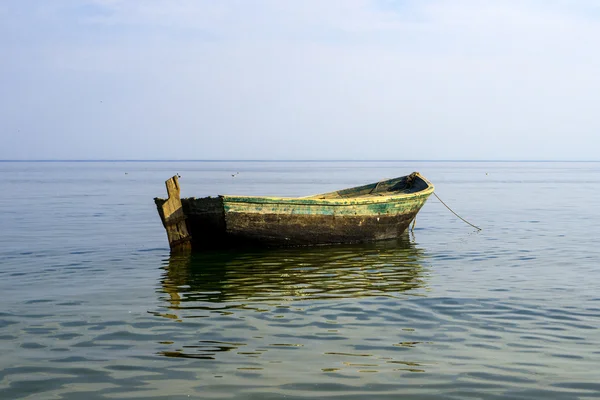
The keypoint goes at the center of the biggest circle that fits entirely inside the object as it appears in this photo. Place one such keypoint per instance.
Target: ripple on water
(373, 321)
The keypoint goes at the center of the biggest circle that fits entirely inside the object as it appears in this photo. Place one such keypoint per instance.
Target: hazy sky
(302, 79)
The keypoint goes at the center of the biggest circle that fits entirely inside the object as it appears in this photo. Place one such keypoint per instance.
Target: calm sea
(93, 307)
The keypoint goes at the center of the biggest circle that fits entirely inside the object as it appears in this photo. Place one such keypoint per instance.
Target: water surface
(93, 306)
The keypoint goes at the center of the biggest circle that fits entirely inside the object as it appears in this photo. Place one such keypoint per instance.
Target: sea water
(92, 306)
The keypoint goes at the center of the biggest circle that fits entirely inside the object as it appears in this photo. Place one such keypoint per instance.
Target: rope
(464, 220)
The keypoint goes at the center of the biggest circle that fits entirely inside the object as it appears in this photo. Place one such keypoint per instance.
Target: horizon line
(293, 160)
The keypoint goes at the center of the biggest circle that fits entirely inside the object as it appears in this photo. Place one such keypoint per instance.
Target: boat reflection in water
(248, 279)
(250, 309)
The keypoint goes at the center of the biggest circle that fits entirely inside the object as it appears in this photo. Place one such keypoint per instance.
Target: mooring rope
(438, 197)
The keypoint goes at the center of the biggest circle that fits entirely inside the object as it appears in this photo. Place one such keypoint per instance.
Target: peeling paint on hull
(301, 230)
(379, 211)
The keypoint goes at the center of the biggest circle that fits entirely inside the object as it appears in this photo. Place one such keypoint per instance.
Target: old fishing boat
(378, 211)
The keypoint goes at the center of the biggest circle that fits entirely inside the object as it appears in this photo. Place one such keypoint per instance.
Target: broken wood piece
(174, 219)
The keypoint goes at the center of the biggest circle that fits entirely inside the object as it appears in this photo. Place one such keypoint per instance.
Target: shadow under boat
(272, 276)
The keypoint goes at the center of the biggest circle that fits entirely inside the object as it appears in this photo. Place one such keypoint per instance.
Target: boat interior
(412, 183)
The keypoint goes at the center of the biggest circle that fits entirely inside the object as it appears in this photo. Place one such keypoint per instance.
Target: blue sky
(311, 79)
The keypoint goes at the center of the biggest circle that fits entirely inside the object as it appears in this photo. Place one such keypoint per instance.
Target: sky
(309, 79)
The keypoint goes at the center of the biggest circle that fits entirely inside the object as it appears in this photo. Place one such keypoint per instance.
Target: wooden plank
(174, 218)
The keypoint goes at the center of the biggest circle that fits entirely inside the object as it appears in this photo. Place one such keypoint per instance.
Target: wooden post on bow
(173, 219)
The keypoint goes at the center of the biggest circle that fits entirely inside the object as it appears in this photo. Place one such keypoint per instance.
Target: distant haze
(309, 79)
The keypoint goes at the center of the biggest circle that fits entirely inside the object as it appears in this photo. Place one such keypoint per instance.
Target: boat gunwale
(326, 202)
(314, 200)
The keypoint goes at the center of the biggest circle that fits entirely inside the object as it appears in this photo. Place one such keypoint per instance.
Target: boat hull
(299, 224)
(233, 221)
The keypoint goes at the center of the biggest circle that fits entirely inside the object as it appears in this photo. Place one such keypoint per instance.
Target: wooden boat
(377, 211)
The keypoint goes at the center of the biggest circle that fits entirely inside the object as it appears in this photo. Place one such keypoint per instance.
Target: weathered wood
(378, 211)
(174, 219)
